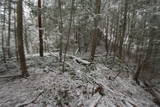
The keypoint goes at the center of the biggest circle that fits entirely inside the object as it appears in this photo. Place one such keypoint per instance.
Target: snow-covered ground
(78, 86)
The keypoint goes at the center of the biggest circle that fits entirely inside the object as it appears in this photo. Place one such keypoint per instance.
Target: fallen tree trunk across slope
(154, 91)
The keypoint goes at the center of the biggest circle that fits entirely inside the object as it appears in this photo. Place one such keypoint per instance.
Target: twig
(117, 75)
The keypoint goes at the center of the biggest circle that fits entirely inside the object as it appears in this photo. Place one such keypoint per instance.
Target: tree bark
(68, 35)
(40, 29)
(20, 38)
(123, 29)
(15, 35)
(60, 30)
(146, 58)
(106, 36)
(96, 30)
(9, 28)
(26, 40)
(3, 29)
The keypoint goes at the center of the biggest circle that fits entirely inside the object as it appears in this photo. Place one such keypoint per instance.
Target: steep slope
(96, 85)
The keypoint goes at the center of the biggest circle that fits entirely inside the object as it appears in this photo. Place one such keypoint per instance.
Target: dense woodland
(79, 53)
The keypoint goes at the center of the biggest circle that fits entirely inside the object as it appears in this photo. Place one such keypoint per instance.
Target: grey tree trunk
(15, 35)
(147, 57)
(40, 29)
(123, 29)
(9, 28)
(3, 29)
(26, 40)
(20, 38)
(96, 30)
(68, 35)
(60, 30)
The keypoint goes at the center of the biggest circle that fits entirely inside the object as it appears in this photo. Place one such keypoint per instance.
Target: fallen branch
(76, 51)
(77, 59)
(154, 92)
(117, 75)
(81, 61)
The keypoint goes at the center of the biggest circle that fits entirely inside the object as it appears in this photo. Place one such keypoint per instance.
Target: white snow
(47, 86)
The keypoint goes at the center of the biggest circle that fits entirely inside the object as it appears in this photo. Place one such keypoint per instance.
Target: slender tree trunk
(3, 29)
(26, 40)
(68, 35)
(132, 28)
(15, 35)
(96, 30)
(40, 29)
(123, 29)
(20, 38)
(60, 30)
(117, 33)
(146, 58)
(111, 34)
(139, 69)
(9, 28)
(156, 54)
(106, 36)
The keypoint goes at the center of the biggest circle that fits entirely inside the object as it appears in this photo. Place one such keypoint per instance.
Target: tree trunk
(123, 29)
(60, 30)
(3, 29)
(9, 28)
(96, 30)
(116, 35)
(132, 33)
(20, 38)
(68, 35)
(26, 40)
(146, 58)
(40, 29)
(106, 36)
(15, 35)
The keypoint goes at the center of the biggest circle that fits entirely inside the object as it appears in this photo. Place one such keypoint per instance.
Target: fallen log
(81, 61)
(76, 59)
(154, 92)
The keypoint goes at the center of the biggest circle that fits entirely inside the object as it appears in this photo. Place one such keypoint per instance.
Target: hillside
(94, 85)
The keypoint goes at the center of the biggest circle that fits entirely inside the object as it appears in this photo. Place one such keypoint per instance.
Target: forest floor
(105, 83)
